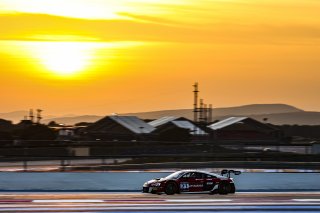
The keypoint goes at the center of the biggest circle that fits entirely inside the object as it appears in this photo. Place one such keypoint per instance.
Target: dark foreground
(138, 202)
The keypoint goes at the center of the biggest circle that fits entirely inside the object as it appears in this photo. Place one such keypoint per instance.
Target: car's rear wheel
(224, 188)
(171, 188)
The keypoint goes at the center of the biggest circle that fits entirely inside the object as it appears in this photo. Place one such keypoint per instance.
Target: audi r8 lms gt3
(192, 181)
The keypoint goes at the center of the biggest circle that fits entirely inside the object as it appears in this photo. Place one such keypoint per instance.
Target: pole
(195, 104)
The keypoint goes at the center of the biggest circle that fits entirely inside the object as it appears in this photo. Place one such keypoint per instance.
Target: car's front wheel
(224, 188)
(171, 188)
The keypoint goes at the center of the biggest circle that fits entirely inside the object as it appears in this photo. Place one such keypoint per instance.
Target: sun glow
(59, 59)
(70, 8)
(65, 58)
(93, 9)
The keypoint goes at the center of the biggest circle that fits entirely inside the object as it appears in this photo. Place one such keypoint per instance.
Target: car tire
(224, 188)
(171, 188)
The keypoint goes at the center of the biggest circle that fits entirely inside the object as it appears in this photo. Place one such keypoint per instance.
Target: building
(66, 133)
(164, 120)
(316, 148)
(119, 128)
(244, 128)
(177, 129)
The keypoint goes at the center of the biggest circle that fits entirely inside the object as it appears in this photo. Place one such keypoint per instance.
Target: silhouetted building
(244, 128)
(6, 125)
(164, 120)
(24, 124)
(119, 128)
(177, 129)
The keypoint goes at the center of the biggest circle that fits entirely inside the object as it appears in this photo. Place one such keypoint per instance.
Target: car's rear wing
(229, 172)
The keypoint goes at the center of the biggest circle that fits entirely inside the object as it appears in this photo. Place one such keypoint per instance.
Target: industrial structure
(31, 117)
(168, 128)
(201, 111)
(171, 128)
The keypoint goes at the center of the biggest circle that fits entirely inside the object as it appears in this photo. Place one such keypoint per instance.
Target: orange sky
(97, 57)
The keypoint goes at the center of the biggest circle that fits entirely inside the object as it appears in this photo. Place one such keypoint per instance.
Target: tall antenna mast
(39, 115)
(195, 105)
(205, 112)
(31, 116)
(201, 116)
(210, 113)
(202, 112)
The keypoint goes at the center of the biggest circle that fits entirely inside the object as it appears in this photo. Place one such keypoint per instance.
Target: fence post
(103, 161)
(62, 165)
(25, 166)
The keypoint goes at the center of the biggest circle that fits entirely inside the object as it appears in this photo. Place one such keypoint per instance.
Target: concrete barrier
(133, 181)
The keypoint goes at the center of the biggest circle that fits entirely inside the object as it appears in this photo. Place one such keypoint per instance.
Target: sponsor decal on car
(184, 186)
(196, 185)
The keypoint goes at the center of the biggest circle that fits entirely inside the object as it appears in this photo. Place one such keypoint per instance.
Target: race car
(192, 181)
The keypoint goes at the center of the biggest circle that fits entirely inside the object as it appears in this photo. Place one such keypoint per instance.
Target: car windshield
(175, 175)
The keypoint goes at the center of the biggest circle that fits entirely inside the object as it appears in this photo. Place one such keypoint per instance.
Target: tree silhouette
(37, 132)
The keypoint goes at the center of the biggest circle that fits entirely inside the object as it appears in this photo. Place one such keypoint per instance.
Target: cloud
(26, 26)
(150, 29)
(152, 19)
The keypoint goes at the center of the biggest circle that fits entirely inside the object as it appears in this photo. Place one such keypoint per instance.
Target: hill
(257, 111)
(15, 116)
(253, 109)
(299, 118)
(74, 119)
(276, 113)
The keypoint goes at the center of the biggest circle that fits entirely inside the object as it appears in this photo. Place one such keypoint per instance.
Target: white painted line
(68, 201)
(223, 208)
(293, 192)
(104, 201)
(198, 200)
(306, 200)
(155, 207)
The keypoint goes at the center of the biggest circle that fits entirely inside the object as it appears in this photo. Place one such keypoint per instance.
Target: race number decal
(184, 186)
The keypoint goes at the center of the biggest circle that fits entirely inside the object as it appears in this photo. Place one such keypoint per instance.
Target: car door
(191, 182)
(198, 183)
(184, 183)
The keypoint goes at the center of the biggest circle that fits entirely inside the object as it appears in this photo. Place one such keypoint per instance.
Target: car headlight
(145, 184)
(156, 184)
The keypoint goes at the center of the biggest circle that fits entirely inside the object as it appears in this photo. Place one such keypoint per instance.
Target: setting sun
(65, 58)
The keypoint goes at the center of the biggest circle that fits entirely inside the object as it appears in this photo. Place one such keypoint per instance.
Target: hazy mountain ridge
(276, 114)
(292, 118)
(14, 116)
(74, 119)
(17, 116)
(253, 109)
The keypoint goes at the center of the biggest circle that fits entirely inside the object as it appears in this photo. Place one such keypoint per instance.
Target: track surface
(138, 202)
